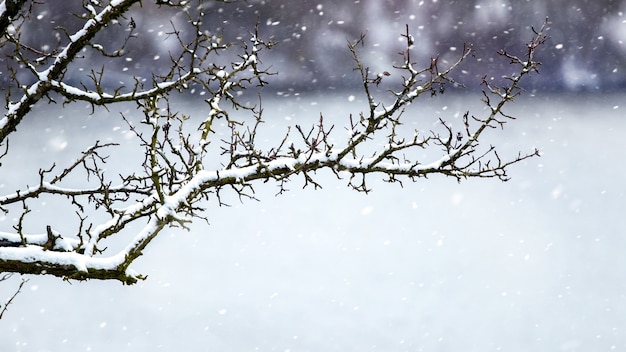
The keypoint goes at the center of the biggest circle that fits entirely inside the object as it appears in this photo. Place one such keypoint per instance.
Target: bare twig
(10, 300)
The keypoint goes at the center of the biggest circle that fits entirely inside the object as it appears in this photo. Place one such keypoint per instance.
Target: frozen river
(534, 264)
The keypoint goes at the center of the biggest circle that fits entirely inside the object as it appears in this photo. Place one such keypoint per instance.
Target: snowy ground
(534, 264)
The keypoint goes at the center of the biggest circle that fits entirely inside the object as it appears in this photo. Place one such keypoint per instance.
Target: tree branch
(31, 95)
(179, 167)
(10, 300)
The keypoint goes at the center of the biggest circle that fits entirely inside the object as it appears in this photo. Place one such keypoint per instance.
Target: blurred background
(586, 53)
(533, 264)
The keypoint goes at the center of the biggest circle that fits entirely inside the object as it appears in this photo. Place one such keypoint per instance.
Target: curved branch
(17, 111)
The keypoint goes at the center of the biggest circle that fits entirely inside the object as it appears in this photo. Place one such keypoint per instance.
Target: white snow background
(534, 264)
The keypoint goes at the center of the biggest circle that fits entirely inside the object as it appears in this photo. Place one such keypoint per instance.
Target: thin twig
(10, 300)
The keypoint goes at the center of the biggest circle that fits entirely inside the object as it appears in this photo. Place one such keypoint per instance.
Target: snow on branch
(189, 161)
(51, 77)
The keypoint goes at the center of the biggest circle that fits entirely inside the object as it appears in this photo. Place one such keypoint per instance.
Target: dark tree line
(588, 51)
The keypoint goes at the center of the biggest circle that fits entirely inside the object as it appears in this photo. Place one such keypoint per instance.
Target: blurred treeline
(587, 50)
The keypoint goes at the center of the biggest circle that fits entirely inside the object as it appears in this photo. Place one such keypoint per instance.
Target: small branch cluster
(186, 162)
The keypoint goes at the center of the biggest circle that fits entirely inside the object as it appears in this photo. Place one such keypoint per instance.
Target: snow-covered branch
(187, 161)
(16, 111)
